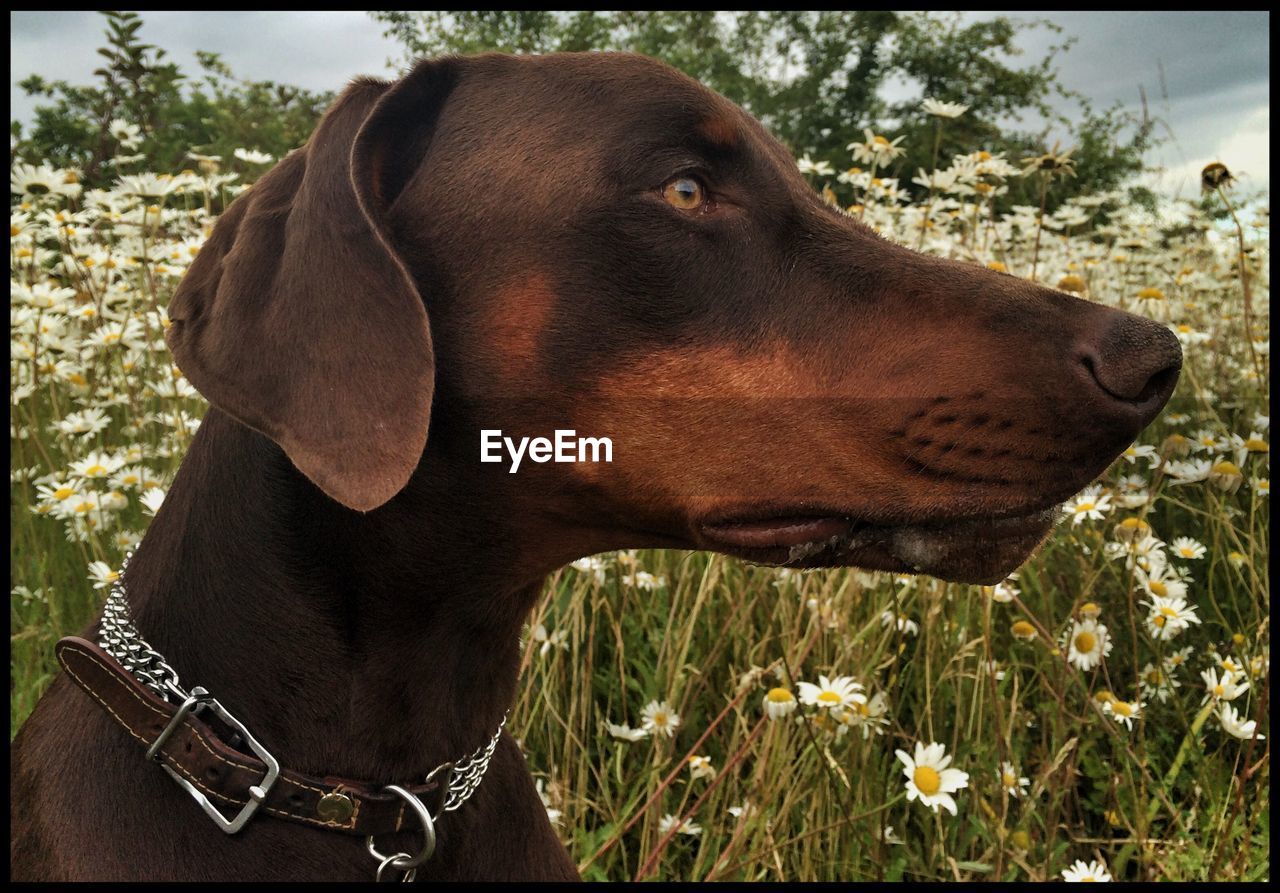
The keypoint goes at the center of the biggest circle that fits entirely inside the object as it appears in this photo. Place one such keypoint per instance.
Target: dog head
(597, 242)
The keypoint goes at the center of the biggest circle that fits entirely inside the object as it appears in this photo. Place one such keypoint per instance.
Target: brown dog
(585, 241)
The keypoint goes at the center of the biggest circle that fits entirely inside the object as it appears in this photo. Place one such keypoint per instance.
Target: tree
(214, 115)
(815, 78)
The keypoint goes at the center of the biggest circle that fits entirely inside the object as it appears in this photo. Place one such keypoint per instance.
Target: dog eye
(684, 193)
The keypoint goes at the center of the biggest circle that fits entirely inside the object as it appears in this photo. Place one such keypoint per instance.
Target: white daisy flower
(151, 499)
(1003, 592)
(102, 574)
(1157, 683)
(869, 716)
(1094, 871)
(1088, 643)
(928, 778)
(820, 168)
(890, 836)
(668, 821)
(831, 693)
(95, 465)
(625, 732)
(700, 766)
(1011, 780)
(1124, 711)
(1187, 548)
(1188, 472)
(659, 718)
(1225, 687)
(1233, 725)
(943, 109)
(905, 624)
(1169, 616)
(778, 702)
(1090, 505)
(253, 156)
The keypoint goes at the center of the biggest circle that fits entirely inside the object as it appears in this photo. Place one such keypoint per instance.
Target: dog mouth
(969, 550)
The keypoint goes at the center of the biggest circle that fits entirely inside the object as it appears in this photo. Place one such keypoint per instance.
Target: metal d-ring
(403, 861)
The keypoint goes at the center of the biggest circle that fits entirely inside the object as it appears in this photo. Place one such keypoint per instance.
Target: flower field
(1101, 714)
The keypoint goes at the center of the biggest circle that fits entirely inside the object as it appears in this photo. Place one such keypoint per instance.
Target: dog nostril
(1135, 361)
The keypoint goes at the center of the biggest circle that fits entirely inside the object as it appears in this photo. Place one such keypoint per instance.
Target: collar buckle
(196, 701)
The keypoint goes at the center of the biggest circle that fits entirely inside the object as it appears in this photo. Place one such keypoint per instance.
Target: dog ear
(298, 317)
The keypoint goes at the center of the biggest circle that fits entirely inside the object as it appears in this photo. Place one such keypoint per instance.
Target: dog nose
(1135, 362)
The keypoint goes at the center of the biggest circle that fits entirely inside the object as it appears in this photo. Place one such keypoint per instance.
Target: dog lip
(971, 549)
(772, 533)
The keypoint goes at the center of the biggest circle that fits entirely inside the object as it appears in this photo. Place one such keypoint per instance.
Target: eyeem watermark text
(566, 446)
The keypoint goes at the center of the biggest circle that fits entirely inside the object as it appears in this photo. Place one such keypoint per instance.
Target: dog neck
(367, 646)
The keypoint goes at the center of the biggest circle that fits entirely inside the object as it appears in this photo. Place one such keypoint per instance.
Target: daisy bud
(1131, 530)
(1226, 476)
(1175, 445)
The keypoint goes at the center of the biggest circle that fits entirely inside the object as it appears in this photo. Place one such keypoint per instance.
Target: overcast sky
(1216, 66)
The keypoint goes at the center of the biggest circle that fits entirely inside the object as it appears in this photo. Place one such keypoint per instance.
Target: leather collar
(222, 772)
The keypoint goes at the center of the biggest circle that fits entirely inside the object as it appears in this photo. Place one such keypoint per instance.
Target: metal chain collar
(120, 638)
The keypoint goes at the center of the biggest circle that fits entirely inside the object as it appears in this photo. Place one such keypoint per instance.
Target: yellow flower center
(1153, 677)
(1085, 642)
(1010, 780)
(1226, 468)
(1158, 588)
(1219, 690)
(111, 576)
(1185, 329)
(84, 507)
(1024, 629)
(1254, 445)
(94, 471)
(1151, 294)
(829, 697)
(879, 141)
(1133, 523)
(927, 780)
(1158, 621)
(1104, 697)
(779, 696)
(62, 493)
(1084, 507)
(659, 719)
(1121, 708)
(1167, 611)
(997, 266)
(13, 230)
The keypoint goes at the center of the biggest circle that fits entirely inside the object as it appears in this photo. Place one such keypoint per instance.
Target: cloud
(1245, 150)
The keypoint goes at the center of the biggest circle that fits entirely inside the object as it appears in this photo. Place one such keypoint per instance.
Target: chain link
(468, 772)
(120, 638)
